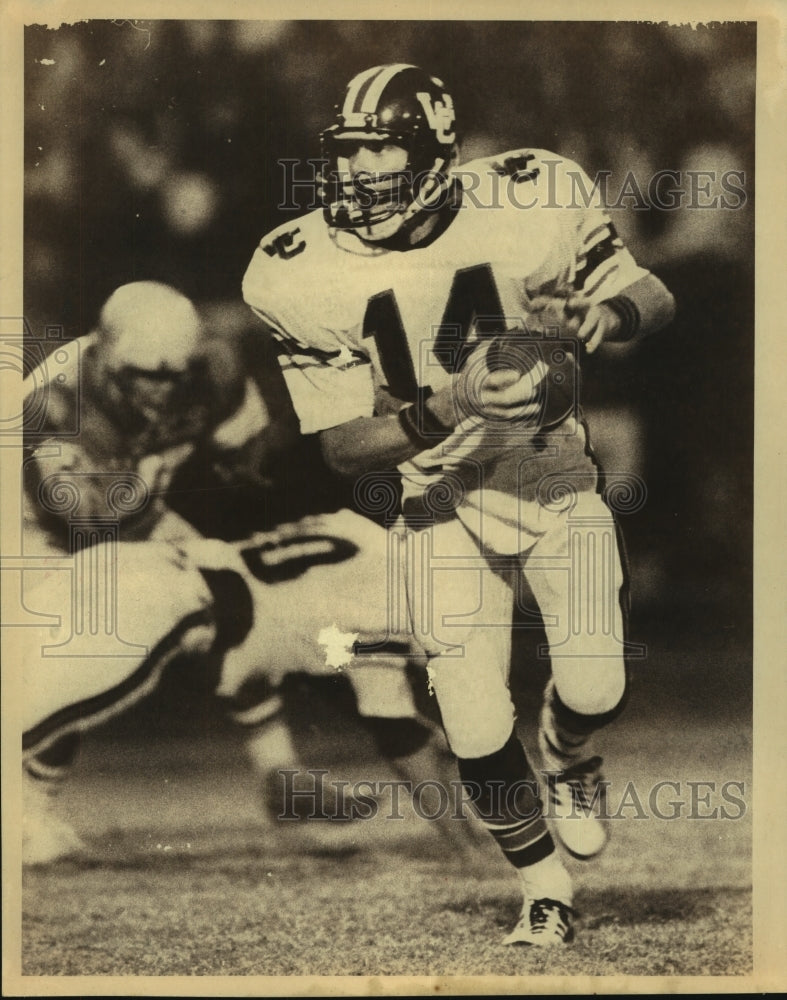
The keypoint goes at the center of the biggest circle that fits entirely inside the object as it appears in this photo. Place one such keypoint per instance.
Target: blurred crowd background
(152, 150)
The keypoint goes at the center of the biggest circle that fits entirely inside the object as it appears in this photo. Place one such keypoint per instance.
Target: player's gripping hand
(495, 383)
(576, 316)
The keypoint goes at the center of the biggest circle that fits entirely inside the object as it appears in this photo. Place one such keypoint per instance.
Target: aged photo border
(770, 697)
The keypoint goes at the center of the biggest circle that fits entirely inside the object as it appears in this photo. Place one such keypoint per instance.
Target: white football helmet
(150, 342)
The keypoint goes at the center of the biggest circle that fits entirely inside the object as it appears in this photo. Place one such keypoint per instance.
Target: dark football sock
(503, 791)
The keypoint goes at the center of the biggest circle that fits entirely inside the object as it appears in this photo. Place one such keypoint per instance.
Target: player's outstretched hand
(576, 316)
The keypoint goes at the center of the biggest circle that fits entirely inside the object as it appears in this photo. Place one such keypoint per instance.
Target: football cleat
(573, 793)
(544, 923)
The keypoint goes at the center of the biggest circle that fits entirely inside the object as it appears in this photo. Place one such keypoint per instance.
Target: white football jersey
(352, 318)
(321, 595)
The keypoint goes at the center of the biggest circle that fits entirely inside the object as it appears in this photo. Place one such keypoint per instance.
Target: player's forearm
(644, 307)
(381, 442)
(366, 444)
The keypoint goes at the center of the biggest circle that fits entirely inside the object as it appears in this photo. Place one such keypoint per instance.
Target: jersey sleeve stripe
(588, 263)
(292, 355)
(603, 228)
(606, 229)
(589, 292)
(301, 362)
(615, 242)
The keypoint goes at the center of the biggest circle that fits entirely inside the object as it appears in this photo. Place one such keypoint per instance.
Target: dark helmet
(398, 104)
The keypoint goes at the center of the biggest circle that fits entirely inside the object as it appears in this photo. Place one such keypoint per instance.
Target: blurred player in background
(125, 408)
(148, 394)
(429, 321)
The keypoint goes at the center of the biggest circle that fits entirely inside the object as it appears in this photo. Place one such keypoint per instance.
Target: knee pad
(590, 705)
(475, 705)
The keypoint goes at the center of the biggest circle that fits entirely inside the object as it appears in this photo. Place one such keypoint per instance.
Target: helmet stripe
(374, 92)
(352, 100)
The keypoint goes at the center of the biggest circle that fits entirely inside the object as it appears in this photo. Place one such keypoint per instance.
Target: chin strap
(445, 211)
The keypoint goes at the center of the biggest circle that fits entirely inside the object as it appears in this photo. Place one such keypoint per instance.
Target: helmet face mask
(400, 106)
(150, 395)
(370, 201)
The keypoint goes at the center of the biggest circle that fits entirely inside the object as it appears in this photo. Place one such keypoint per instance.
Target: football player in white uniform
(109, 422)
(132, 583)
(430, 319)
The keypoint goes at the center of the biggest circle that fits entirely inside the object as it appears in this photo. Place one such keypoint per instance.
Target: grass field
(188, 877)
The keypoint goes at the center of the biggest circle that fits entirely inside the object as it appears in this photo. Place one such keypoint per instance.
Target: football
(522, 350)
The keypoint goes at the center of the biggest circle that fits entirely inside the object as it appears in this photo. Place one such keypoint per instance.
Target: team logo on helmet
(440, 115)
